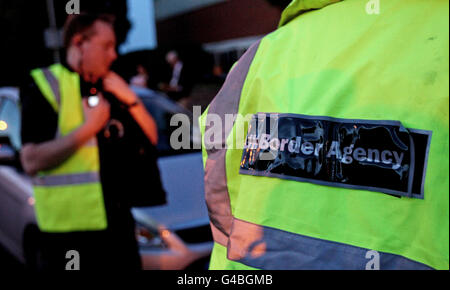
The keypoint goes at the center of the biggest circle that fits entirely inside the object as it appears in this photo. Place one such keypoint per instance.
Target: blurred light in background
(3, 125)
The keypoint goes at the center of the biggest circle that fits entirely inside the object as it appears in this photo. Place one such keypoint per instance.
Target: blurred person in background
(141, 79)
(180, 84)
(85, 134)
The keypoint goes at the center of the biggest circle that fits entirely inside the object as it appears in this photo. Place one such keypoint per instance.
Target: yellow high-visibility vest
(335, 63)
(68, 197)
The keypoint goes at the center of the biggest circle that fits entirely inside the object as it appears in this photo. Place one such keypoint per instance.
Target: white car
(172, 236)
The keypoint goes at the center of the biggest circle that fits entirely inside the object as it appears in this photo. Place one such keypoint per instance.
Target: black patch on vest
(380, 156)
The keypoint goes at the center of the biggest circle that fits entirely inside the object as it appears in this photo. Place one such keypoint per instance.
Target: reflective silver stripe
(218, 236)
(226, 102)
(54, 85)
(70, 179)
(273, 249)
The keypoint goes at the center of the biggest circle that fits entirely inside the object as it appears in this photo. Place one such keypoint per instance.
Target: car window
(162, 110)
(10, 121)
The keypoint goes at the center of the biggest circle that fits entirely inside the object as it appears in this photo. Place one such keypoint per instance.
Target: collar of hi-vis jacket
(298, 7)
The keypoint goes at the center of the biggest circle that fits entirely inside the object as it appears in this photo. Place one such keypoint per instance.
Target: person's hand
(96, 117)
(115, 85)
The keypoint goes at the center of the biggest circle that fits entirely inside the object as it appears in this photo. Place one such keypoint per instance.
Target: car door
(16, 210)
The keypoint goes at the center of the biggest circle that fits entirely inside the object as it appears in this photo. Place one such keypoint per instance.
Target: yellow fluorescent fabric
(297, 7)
(74, 208)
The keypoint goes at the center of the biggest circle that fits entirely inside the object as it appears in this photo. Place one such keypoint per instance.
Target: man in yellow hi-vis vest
(345, 163)
(77, 150)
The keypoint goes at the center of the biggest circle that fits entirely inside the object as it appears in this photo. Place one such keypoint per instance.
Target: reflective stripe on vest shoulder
(54, 84)
(68, 179)
(226, 102)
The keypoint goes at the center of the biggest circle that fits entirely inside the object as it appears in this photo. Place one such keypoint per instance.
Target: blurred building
(212, 34)
(224, 28)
